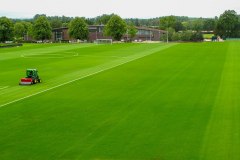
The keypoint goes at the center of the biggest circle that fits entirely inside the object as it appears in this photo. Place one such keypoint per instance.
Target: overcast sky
(124, 8)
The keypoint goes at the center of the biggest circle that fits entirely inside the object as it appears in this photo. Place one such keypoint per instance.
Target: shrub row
(185, 36)
(10, 45)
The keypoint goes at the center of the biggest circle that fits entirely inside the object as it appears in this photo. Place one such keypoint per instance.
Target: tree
(227, 24)
(197, 24)
(22, 29)
(55, 23)
(65, 19)
(42, 29)
(6, 29)
(38, 15)
(137, 22)
(78, 29)
(167, 22)
(172, 22)
(27, 26)
(103, 19)
(116, 27)
(19, 30)
(132, 31)
(28, 29)
(209, 25)
(178, 26)
(65, 25)
(89, 21)
(169, 35)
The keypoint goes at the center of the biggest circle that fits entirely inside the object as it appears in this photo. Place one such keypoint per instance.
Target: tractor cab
(31, 77)
(31, 73)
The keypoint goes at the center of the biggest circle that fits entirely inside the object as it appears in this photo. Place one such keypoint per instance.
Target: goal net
(103, 41)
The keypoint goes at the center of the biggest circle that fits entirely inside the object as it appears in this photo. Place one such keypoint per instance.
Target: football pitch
(121, 101)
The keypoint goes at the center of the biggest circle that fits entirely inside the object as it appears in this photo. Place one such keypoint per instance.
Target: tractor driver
(30, 74)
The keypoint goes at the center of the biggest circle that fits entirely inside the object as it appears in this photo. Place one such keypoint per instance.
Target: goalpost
(103, 41)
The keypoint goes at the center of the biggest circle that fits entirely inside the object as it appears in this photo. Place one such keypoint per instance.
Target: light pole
(167, 31)
(127, 34)
(165, 28)
(160, 36)
(150, 35)
(167, 35)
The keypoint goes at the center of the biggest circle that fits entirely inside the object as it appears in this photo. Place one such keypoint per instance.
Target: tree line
(41, 28)
(179, 27)
(227, 25)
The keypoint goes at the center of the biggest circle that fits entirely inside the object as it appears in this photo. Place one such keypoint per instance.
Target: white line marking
(58, 85)
(44, 56)
(66, 83)
(101, 56)
(82, 77)
(3, 87)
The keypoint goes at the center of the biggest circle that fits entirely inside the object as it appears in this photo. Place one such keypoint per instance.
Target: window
(92, 29)
(144, 32)
(58, 36)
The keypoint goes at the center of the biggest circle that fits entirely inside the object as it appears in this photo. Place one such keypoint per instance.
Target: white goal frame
(103, 41)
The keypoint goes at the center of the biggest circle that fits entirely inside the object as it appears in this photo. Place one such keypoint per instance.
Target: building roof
(142, 28)
(150, 29)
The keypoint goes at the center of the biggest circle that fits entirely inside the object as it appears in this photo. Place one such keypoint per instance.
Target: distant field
(208, 36)
(121, 101)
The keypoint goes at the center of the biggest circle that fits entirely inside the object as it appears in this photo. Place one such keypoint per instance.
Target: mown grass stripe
(3, 87)
(222, 137)
(98, 69)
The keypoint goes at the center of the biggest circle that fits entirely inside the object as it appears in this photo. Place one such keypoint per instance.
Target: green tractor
(31, 77)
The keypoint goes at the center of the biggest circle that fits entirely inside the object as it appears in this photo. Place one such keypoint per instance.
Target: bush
(163, 37)
(197, 36)
(171, 31)
(176, 36)
(186, 36)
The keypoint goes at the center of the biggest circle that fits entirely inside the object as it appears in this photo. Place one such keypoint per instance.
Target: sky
(124, 8)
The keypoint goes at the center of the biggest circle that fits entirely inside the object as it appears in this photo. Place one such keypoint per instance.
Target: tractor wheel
(34, 81)
(39, 81)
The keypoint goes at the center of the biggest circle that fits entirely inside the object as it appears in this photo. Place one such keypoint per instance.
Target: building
(149, 34)
(96, 32)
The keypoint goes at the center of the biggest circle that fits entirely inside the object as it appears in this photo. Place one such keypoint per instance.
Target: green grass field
(121, 101)
(208, 36)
